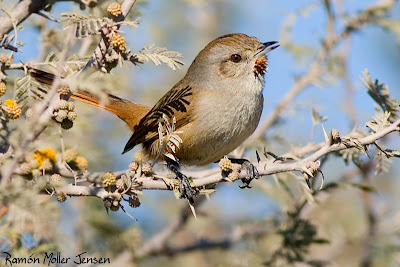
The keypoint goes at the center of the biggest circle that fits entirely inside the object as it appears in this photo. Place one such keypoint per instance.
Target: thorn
(308, 183)
(228, 180)
(123, 209)
(383, 151)
(307, 171)
(258, 157)
(273, 155)
(325, 135)
(322, 181)
(265, 153)
(367, 151)
(193, 210)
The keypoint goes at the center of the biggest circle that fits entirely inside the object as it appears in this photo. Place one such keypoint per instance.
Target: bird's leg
(184, 185)
(252, 172)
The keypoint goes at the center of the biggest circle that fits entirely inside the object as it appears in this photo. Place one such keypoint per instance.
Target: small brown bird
(206, 115)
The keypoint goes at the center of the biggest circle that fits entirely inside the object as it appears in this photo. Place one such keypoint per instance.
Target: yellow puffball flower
(46, 153)
(117, 40)
(12, 109)
(81, 163)
(109, 179)
(114, 9)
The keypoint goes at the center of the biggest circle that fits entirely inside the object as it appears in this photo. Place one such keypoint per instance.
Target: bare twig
(19, 13)
(268, 167)
(100, 51)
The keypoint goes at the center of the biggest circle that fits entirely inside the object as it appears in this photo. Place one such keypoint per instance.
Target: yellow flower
(42, 155)
(81, 163)
(12, 109)
(70, 155)
(117, 40)
(109, 179)
(114, 9)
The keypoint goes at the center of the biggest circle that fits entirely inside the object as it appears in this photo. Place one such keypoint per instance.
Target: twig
(100, 50)
(43, 111)
(268, 167)
(19, 13)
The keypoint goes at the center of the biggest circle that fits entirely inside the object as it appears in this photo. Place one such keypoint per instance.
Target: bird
(205, 116)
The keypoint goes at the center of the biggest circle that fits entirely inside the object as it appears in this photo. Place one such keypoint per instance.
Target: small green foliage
(27, 89)
(157, 55)
(380, 121)
(382, 163)
(316, 117)
(297, 235)
(380, 93)
(84, 26)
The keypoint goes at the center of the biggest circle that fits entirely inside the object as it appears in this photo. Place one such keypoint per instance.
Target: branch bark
(19, 13)
(101, 49)
(213, 176)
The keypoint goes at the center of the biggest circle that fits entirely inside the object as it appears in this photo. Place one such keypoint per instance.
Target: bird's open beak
(266, 48)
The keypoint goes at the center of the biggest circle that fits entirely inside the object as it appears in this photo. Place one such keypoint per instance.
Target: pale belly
(208, 140)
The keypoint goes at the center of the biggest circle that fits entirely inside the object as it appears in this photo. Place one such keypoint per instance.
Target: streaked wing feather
(174, 103)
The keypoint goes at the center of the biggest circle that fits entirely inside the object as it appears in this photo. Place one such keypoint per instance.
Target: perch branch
(211, 177)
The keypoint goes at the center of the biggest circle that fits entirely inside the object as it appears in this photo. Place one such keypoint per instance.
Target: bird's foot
(252, 172)
(186, 190)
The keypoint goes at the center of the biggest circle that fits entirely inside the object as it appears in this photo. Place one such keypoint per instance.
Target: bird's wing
(174, 104)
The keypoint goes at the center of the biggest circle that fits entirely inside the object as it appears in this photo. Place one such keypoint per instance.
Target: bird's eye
(236, 58)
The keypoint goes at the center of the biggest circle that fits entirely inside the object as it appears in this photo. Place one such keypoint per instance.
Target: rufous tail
(131, 113)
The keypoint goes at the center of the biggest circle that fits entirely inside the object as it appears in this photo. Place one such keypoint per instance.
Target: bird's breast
(222, 121)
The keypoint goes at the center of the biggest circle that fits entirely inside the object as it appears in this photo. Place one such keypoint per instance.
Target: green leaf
(380, 121)
(28, 89)
(316, 117)
(157, 55)
(380, 93)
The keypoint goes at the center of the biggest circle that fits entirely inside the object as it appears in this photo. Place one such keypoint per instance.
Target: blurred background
(347, 225)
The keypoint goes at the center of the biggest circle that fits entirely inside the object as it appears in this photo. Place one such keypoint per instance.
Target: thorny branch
(101, 48)
(19, 13)
(267, 167)
(22, 11)
(42, 114)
